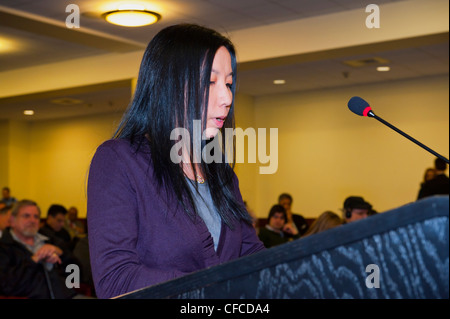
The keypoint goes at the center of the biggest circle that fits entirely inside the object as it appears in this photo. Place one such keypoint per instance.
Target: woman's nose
(225, 95)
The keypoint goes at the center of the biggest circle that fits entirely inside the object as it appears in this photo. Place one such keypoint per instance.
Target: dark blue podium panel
(401, 253)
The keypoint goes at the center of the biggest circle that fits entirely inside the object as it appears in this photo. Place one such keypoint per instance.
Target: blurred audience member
(326, 220)
(355, 208)
(5, 218)
(7, 199)
(439, 185)
(53, 227)
(430, 173)
(81, 253)
(295, 222)
(29, 260)
(275, 233)
(74, 226)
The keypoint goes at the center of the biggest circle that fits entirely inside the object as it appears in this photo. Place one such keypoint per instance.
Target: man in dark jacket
(28, 260)
(54, 227)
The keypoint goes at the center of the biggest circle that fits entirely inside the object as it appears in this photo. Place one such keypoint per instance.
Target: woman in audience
(325, 221)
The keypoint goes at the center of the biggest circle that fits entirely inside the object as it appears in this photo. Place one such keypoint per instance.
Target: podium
(399, 254)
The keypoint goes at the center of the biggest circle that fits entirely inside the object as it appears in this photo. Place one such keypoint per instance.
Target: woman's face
(220, 94)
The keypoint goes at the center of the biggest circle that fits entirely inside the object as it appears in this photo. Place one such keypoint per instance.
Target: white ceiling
(36, 30)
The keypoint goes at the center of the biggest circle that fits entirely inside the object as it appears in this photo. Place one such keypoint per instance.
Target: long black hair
(172, 91)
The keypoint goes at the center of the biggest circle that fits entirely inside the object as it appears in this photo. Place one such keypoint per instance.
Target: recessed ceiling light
(66, 101)
(383, 68)
(279, 81)
(366, 62)
(131, 17)
(28, 112)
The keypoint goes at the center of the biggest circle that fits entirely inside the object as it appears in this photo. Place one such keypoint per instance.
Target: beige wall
(4, 151)
(325, 152)
(49, 160)
(60, 155)
(19, 154)
(14, 162)
(245, 117)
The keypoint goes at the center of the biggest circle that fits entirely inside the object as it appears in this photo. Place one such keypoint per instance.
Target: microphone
(360, 107)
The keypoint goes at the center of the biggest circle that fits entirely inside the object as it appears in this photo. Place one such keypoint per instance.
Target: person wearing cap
(355, 208)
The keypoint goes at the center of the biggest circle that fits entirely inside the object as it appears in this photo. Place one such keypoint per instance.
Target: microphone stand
(371, 114)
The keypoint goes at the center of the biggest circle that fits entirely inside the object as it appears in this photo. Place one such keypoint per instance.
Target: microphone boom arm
(371, 114)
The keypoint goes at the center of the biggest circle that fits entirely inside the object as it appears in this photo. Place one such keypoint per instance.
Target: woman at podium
(163, 200)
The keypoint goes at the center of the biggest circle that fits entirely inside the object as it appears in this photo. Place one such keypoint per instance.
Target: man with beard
(28, 260)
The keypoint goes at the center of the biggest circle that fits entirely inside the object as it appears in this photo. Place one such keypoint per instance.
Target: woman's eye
(229, 85)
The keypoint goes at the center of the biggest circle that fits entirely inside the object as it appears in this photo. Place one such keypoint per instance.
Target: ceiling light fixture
(383, 68)
(279, 81)
(28, 112)
(131, 17)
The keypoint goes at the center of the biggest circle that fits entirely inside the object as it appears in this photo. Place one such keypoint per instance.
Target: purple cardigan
(135, 239)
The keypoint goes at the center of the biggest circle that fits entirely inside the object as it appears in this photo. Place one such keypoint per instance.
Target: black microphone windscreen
(359, 106)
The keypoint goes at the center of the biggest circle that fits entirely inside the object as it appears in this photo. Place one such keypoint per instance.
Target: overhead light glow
(279, 81)
(131, 6)
(383, 68)
(131, 17)
(7, 45)
(28, 112)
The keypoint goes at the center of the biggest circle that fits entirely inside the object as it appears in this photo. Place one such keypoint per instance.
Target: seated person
(74, 226)
(355, 208)
(5, 218)
(29, 261)
(7, 199)
(294, 220)
(54, 227)
(273, 234)
(325, 221)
